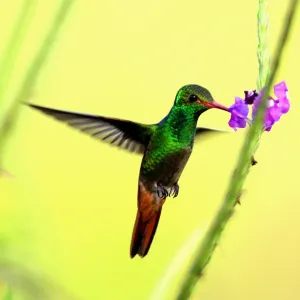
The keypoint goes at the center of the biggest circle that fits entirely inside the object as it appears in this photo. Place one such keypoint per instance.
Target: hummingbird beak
(215, 104)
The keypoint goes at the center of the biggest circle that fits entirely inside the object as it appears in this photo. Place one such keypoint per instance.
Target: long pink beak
(215, 104)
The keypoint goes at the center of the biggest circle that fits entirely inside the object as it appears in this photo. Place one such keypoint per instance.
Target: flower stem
(28, 283)
(263, 54)
(212, 238)
(32, 74)
(16, 40)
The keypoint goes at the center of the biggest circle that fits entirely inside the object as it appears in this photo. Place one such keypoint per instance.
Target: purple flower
(239, 113)
(276, 107)
(250, 96)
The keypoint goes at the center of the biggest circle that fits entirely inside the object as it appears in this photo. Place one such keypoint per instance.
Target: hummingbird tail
(147, 218)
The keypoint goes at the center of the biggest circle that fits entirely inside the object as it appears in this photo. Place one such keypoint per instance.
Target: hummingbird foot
(162, 192)
(174, 190)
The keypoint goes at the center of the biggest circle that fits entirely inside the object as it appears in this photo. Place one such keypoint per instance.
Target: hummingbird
(166, 147)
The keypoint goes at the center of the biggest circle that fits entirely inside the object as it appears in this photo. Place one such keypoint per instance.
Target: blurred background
(69, 209)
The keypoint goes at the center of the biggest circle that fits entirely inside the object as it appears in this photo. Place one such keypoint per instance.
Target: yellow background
(70, 209)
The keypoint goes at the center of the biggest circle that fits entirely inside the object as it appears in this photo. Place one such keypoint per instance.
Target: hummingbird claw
(162, 192)
(174, 190)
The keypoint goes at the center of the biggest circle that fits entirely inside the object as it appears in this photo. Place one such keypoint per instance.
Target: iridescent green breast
(169, 148)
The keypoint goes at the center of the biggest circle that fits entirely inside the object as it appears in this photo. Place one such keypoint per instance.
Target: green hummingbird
(165, 146)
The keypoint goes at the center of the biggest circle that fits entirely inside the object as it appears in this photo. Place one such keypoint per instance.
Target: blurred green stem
(29, 283)
(32, 74)
(212, 238)
(14, 45)
(14, 275)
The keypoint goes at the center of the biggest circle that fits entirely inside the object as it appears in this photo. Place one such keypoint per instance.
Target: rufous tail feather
(147, 218)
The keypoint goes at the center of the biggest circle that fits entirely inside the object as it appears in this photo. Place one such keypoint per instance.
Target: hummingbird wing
(128, 135)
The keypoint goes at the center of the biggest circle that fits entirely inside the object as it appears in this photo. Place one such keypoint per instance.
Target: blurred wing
(128, 135)
(203, 131)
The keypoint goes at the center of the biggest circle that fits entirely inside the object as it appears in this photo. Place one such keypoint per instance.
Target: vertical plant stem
(15, 276)
(211, 240)
(33, 71)
(14, 45)
(263, 54)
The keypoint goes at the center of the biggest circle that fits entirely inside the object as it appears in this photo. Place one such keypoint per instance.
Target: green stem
(212, 238)
(16, 276)
(263, 54)
(30, 283)
(13, 47)
(33, 71)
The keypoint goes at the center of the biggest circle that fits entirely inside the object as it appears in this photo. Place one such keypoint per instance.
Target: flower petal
(285, 105)
(250, 96)
(274, 113)
(280, 90)
(239, 113)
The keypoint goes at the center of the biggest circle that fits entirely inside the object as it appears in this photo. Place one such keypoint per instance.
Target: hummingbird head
(197, 98)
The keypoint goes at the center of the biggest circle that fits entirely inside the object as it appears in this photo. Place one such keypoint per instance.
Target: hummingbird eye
(193, 98)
